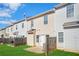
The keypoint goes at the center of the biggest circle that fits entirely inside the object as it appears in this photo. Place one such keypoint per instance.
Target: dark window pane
(22, 25)
(46, 19)
(37, 38)
(70, 10)
(60, 36)
(32, 23)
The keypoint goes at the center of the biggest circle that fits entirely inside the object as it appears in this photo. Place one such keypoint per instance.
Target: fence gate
(51, 43)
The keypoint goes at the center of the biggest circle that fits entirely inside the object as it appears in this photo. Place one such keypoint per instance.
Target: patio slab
(1, 43)
(10, 45)
(35, 49)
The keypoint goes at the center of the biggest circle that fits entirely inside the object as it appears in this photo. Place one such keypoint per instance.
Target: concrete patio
(35, 49)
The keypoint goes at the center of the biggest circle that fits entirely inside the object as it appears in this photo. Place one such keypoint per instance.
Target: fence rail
(14, 41)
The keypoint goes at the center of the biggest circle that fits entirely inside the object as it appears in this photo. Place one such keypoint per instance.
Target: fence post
(46, 45)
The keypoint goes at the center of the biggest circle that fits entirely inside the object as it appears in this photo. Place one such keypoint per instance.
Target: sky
(13, 12)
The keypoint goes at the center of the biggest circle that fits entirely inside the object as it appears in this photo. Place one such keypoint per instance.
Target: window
(16, 27)
(37, 38)
(11, 28)
(32, 23)
(70, 10)
(8, 29)
(46, 19)
(22, 25)
(23, 36)
(5, 30)
(2, 35)
(60, 36)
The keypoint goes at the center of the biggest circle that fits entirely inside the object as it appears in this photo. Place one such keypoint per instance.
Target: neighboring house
(8, 32)
(18, 29)
(66, 21)
(2, 33)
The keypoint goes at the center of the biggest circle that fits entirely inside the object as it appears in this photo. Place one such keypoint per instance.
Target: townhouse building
(66, 23)
(18, 29)
(2, 33)
(61, 22)
(38, 27)
(8, 32)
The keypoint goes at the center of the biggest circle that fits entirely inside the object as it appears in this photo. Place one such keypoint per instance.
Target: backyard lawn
(16, 51)
(62, 53)
(19, 51)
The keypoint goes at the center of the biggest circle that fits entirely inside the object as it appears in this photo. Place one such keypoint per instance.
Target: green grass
(19, 51)
(62, 53)
(16, 51)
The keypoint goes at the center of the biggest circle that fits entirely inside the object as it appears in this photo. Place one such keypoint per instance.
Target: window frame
(16, 27)
(61, 37)
(46, 19)
(32, 23)
(11, 29)
(70, 11)
(37, 38)
(22, 25)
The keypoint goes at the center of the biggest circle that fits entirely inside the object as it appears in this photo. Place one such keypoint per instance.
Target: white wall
(2, 32)
(44, 29)
(59, 18)
(71, 36)
(71, 39)
(22, 31)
